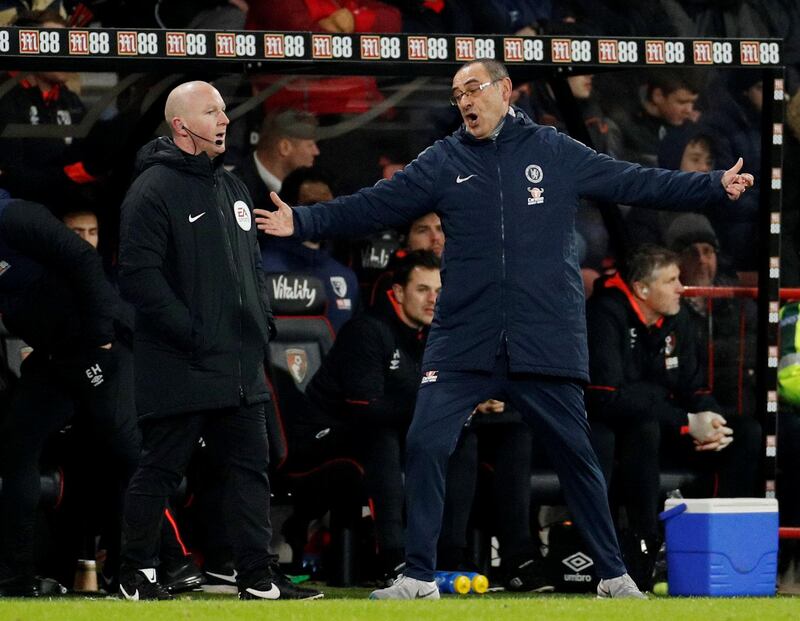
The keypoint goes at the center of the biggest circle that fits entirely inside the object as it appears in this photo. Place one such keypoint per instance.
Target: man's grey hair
(644, 260)
(496, 69)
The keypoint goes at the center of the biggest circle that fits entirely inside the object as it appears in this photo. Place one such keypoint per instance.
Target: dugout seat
(304, 337)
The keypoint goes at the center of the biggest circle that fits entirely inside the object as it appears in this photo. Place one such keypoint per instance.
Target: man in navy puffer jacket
(509, 322)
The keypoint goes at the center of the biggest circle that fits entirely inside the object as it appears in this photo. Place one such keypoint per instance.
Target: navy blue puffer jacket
(510, 261)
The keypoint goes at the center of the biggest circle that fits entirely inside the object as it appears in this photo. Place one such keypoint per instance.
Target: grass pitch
(351, 604)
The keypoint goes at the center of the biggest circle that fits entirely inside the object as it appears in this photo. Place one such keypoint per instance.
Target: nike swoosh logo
(226, 577)
(197, 217)
(273, 593)
(460, 180)
(426, 595)
(126, 595)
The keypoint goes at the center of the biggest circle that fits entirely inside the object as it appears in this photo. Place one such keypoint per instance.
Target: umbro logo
(197, 217)
(461, 179)
(578, 562)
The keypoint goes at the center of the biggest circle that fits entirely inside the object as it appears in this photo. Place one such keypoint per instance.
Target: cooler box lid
(724, 505)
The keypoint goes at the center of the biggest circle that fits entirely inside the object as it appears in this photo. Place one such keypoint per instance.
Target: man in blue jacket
(510, 321)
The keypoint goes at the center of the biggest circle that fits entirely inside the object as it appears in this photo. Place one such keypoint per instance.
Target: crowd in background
(378, 294)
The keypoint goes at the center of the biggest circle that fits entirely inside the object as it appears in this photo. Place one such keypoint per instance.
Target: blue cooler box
(721, 546)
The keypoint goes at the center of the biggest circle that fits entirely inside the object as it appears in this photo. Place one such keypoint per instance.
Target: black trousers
(95, 384)
(237, 439)
(508, 447)
(380, 451)
(632, 453)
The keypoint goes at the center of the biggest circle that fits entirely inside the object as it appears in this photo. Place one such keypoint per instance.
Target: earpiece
(218, 142)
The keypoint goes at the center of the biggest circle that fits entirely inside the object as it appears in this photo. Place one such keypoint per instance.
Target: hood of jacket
(164, 151)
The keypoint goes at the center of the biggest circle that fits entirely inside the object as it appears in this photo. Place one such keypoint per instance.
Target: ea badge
(534, 174)
(242, 213)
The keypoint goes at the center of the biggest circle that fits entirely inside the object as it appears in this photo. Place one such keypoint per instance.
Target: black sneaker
(278, 586)
(180, 575)
(30, 586)
(527, 575)
(141, 584)
(220, 579)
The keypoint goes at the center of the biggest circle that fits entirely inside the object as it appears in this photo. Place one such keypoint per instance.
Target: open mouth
(471, 118)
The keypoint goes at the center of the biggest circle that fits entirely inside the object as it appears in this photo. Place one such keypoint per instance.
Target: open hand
(279, 223)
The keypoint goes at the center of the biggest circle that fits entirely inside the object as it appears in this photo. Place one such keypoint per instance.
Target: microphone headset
(219, 142)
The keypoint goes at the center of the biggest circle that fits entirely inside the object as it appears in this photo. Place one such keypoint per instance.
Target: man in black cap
(732, 374)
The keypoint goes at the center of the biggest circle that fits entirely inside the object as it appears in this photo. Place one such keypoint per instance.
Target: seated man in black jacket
(648, 402)
(368, 386)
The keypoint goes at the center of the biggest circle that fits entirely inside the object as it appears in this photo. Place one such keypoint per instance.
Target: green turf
(347, 604)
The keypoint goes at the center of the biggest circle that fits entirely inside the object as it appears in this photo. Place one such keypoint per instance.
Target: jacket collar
(513, 122)
(616, 282)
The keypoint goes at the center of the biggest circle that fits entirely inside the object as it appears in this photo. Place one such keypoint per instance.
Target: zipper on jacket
(503, 333)
(232, 262)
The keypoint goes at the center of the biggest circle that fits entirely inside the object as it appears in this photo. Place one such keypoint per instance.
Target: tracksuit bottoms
(554, 409)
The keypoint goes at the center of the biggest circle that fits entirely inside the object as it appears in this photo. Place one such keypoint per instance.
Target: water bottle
(478, 582)
(452, 582)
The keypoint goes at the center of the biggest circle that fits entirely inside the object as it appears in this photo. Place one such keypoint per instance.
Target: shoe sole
(432, 595)
(183, 587)
(609, 596)
(284, 599)
(220, 588)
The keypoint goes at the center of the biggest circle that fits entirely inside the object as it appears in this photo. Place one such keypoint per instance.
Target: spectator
(424, 233)
(203, 322)
(619, 18)
(42, 169)
(648, 400)
(669, 101)
(306, 186)
(288, 141)
(368, 385)
(790, 214)
(10, 10)
(734, 120)
(84, 223)
(689, 148)
(77, 365)
(201, 14)
(726, 327)
(604, 133)
(68, 169)
(324, 16)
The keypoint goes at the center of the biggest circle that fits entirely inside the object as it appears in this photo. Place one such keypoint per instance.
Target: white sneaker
(621, 587)
(406, 587)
